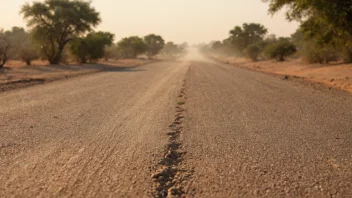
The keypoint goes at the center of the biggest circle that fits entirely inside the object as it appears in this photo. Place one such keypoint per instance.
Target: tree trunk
(348, 55)
(83, 60)
(54, 61)
(3, 61)
(56, 58)
(28, 62)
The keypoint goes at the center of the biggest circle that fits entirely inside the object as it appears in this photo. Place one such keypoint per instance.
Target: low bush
(280, 50)
(253, 51)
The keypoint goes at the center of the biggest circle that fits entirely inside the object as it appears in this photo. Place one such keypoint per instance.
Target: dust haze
(168, 99)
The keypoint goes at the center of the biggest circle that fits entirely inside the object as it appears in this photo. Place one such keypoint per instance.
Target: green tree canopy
(155, 44)
(57, 22)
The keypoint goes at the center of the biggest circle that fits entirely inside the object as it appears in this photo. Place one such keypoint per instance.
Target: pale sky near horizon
(192, 21)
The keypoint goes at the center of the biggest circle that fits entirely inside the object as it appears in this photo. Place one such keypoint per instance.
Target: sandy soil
(333, 75)
(17, 75)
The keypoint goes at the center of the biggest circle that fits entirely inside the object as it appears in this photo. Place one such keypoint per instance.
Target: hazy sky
(192, 21)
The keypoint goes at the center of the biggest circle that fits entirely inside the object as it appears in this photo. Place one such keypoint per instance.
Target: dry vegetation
(335, 75)
(18, 75)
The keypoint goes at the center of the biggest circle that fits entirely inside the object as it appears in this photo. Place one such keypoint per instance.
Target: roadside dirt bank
(15, 75)
(337, 76)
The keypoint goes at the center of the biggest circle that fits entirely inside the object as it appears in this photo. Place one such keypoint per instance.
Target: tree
(55, 23)
(91, 48)
(171, 49)
(131, 47)
(216, 45)
(248, 34)
(329, 20)
(155, 44)
(253, 51)
(28, 53)
(4, 48)
(21, 45)
(281, 49)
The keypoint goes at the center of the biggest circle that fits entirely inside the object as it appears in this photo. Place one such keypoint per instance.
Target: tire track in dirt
(171, 178)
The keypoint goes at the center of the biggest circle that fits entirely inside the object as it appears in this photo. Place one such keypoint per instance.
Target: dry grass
(16, 74)
(335, 75)
(18, 64)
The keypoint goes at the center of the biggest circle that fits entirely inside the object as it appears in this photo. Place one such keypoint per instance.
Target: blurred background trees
(155, 44)
(131, 47)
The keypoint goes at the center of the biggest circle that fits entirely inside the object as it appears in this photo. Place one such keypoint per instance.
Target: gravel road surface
(191, 127)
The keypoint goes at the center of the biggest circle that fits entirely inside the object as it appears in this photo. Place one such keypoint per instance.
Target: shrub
(92, 47)
(315, 54)
(253, 52)
(28, 56)
(280, 50)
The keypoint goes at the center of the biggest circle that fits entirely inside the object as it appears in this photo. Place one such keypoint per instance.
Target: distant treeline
(62, 30)
(325, 34)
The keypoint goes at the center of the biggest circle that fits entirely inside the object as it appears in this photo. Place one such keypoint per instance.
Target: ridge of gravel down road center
(99, 135)
(172, 179)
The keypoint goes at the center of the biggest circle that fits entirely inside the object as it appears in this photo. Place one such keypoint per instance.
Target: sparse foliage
(111, 52)
(21, 45)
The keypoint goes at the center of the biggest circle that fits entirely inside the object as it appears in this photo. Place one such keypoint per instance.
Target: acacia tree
(155, 44)
(57, 22)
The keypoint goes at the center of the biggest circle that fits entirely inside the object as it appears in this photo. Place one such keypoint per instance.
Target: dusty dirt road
(191, 127)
